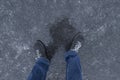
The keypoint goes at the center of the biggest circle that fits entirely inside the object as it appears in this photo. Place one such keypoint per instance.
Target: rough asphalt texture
(22, 22)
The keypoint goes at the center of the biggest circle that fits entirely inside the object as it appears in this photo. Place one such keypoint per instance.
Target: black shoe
(77, 42)
(40, 49)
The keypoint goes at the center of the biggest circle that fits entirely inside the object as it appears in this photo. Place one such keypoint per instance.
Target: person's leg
(41, 66)
(73, 71)
(39, 70)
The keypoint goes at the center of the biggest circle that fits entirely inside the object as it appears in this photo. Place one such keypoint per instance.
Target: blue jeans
(73, 71)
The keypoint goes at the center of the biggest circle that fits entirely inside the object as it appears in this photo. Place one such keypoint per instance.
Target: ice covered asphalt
(22, 22)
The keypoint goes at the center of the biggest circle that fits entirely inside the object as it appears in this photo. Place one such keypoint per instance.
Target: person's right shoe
(77, 42)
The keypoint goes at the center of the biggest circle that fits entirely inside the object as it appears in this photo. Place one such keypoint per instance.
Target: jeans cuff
(70, 54)
(43, 61)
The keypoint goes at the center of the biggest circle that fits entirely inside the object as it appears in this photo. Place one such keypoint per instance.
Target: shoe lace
(78, 45)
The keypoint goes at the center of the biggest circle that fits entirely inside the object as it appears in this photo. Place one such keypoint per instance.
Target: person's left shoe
(40, 49)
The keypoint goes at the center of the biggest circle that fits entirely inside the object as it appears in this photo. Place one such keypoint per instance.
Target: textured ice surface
(24, 21)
